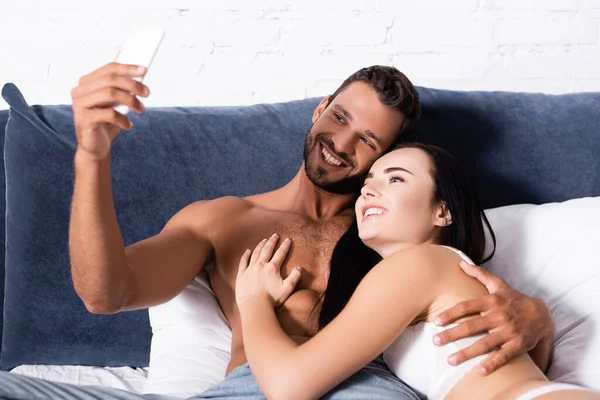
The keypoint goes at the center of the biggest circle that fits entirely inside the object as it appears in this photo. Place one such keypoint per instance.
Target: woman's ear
(442, 216)
(322, 105)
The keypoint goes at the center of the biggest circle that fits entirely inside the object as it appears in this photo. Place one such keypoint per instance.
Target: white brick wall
(246, 51)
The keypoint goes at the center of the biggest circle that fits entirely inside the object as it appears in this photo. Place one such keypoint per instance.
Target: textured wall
(247, 51)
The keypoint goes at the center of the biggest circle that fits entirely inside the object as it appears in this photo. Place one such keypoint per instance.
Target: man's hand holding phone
(103, 98)
(97, 123)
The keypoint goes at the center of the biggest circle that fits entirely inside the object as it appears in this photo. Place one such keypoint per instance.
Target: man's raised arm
(107, 276)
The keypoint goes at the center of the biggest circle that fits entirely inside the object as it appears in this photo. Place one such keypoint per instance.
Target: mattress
(125, 378)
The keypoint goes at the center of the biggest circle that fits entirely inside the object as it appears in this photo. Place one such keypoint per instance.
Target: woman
(418, 212)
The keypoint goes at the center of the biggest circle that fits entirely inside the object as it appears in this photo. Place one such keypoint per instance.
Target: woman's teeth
(373, 211)
(329, 158)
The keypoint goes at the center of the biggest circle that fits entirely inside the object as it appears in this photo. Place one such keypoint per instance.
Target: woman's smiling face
(396, 203)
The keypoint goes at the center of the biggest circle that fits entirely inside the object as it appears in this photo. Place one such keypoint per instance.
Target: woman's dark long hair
(352, 259)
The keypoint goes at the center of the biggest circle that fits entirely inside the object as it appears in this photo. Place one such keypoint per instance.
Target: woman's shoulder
(420, 264)
(434, 263)
(455, 285)
(431, 256)
(431, 270)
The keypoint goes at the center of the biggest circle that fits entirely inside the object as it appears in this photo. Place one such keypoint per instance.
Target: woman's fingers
(244, 261)
(267, 250)
(281, 254)
(263, 252)
(257, 250)
(289, 284)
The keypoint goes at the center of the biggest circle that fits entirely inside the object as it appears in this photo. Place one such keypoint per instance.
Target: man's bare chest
(312, 244)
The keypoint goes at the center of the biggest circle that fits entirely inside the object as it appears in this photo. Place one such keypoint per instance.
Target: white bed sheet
(125, 378)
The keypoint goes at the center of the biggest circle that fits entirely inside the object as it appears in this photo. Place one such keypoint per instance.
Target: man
(351, 129)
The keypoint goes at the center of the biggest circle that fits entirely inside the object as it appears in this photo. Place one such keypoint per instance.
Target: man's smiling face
(347, 137)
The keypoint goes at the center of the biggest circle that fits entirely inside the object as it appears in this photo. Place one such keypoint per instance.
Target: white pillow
(191, 342)
(551, 251)
(546, 251)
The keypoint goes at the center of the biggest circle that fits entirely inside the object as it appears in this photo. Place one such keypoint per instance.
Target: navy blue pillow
(519, 147)
(3, 120)
(172, 158)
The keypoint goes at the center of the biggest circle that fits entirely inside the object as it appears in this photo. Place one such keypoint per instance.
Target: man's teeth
(373, 211)
(329, 158)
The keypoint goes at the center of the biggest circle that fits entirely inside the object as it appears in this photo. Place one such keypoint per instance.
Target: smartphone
(139, 49)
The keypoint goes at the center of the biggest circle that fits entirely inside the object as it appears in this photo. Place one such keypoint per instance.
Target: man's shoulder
(218, 208)
(207, 215)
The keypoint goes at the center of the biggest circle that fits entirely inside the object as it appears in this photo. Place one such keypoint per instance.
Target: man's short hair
(393, 89)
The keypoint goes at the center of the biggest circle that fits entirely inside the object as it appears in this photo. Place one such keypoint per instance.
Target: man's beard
(318, 175)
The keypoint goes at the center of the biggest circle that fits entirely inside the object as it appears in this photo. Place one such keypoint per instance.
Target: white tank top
(424, 366)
